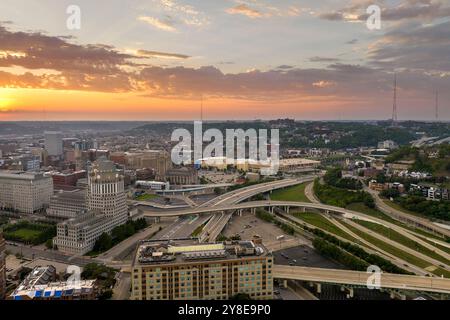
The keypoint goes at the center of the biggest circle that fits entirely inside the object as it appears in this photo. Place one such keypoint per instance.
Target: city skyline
(253, 59)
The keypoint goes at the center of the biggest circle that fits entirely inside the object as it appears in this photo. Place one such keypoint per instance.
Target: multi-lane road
(357, 278)
(248, 192)
(219, 221)
(405, 217)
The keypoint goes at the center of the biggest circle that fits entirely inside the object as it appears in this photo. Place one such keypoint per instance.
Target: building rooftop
(152, 252)
(38, 276)
(297, 161)
(21, 175)
(55, 290)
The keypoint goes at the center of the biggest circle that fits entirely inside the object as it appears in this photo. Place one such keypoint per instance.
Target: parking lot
(304, 256)
(219, 176)
(249, 225)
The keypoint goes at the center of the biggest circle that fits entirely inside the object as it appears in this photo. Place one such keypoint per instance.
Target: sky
(245, 59)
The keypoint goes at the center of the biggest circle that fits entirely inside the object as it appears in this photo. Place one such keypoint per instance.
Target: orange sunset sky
(247, 59)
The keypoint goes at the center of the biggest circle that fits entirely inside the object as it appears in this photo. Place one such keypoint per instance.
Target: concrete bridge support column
(318, 287)
(304, 209)
(157, 219)
(287, 209)
(350, 290)
(253, 211)
(285, 284)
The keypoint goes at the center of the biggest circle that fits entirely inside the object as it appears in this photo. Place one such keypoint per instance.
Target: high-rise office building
(107, 209)
(106, 190)
(54, 143)
(187, 271)
(67, 204)
(2, 267)
(25, 192)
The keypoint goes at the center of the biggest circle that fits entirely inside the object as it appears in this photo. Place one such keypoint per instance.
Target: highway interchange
(214, 214)
(223, 206)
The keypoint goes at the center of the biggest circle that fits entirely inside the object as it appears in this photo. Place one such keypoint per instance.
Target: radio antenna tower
(201, 109)
(394, 108)
(437, 106)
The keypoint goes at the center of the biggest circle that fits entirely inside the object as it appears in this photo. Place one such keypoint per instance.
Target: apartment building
(184, 270)
(25, 192)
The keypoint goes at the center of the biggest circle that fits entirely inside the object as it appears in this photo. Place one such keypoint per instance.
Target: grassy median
(295, 193)
(397, 237)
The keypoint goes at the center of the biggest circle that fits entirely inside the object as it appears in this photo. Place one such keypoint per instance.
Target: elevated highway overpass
(305, 207)
(358, 278)
(242, 194)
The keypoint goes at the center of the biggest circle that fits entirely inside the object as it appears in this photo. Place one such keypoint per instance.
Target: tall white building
(25, 192)
(107, 209)
(54, 143)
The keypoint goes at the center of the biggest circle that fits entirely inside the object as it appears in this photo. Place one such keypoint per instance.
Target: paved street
(126, 247)
(33, 253)
(122, 288)
(182, 227)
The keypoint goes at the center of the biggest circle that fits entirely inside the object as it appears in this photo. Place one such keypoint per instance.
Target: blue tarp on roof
(68, 292)
(47, 294)
(58, 294)
(38, 294)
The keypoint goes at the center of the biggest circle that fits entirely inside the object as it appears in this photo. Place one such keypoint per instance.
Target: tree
(106, 295)
(49, 244)
(241, 296)
(103, 243)
(390, 193)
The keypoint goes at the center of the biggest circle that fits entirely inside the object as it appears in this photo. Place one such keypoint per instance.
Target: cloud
(102, 68)
(408, 9)
(182, 14)
(166, 25)
(323, 59)
(323, 84)
(353, 41)
(285, 67)
(226, 62)
(245, 10)
(157, 54)
(414, 46)
(294, 11)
